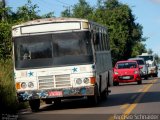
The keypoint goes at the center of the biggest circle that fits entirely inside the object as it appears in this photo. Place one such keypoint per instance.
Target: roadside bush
(8, 99)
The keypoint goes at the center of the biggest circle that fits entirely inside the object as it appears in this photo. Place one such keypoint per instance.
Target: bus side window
(96, 38)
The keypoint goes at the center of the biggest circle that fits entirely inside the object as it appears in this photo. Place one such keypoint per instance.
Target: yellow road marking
(134, 104)
(111, 118)
(124, 106)
(140, 90)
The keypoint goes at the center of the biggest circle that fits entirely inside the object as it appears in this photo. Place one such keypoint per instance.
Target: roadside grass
(8, 99)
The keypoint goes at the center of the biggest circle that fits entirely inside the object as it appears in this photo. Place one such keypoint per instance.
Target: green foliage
(48, 15)
(27, 12)
(82, 10)
(150, 51)
(8, 101)
(124, 33)
(138, 49)
(66, 13)
(5, 40)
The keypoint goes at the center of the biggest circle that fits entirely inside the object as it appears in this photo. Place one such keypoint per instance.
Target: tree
(24, 13)
(124, 33)
(5, 32)
(81, 10)
(27, 12)
(157, 58)
(138, 49)
(5, 40)
(48, 15)
(150, 51)
(66, 13)
(3, 11)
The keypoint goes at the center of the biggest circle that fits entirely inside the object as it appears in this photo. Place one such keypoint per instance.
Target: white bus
(60, 58)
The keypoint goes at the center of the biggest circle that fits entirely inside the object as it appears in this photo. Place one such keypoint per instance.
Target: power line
(63, 3)
(44, 2)
(66, 5)
(49, 3)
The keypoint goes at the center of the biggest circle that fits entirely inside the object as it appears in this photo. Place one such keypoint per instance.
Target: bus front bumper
(55, 93)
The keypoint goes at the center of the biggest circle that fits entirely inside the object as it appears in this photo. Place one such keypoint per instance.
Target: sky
(147, 13)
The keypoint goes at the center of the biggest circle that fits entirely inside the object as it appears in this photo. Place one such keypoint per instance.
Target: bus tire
(57, 101)
(34, 105)
(48, 101)
(93, 100)
(104, 94)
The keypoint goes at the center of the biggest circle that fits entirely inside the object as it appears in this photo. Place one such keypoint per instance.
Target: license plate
(126, 77)
(55, 93)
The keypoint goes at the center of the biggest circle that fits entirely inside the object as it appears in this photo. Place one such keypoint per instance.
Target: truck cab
(151, 62)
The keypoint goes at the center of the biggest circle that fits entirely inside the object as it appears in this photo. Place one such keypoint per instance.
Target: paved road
(132, 99)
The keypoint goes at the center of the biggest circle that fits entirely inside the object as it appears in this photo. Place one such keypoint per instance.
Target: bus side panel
(103, 68)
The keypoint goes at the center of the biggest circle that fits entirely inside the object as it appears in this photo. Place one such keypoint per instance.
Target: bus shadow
(113, 100)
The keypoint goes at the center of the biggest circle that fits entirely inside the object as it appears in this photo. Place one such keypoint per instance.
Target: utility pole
(68, 9)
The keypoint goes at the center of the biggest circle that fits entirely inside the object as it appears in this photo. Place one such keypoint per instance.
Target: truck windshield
(52, 50)
(140, 62)
(146, 58)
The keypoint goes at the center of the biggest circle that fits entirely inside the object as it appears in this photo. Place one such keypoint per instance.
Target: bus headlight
(86, 80)
(30, 85)
(78, 81)
(23, 85)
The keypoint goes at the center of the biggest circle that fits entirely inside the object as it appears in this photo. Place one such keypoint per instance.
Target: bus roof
(49, 20)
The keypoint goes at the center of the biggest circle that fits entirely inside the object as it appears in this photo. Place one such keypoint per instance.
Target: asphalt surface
(135, 101)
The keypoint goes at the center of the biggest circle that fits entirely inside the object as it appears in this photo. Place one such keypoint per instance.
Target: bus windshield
(146, 58)
(53, 50)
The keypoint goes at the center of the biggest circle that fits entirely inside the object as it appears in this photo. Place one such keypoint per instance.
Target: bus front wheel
(34, 104)
(93, 100)
(57, 101)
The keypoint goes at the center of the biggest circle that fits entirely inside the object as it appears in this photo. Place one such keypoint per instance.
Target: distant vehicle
(158, 66)
(152, 64)
(126, 71)
(144, 70)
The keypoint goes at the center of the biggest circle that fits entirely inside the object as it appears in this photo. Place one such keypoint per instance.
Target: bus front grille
(57, 81)
(62, 81)
(46, 82)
